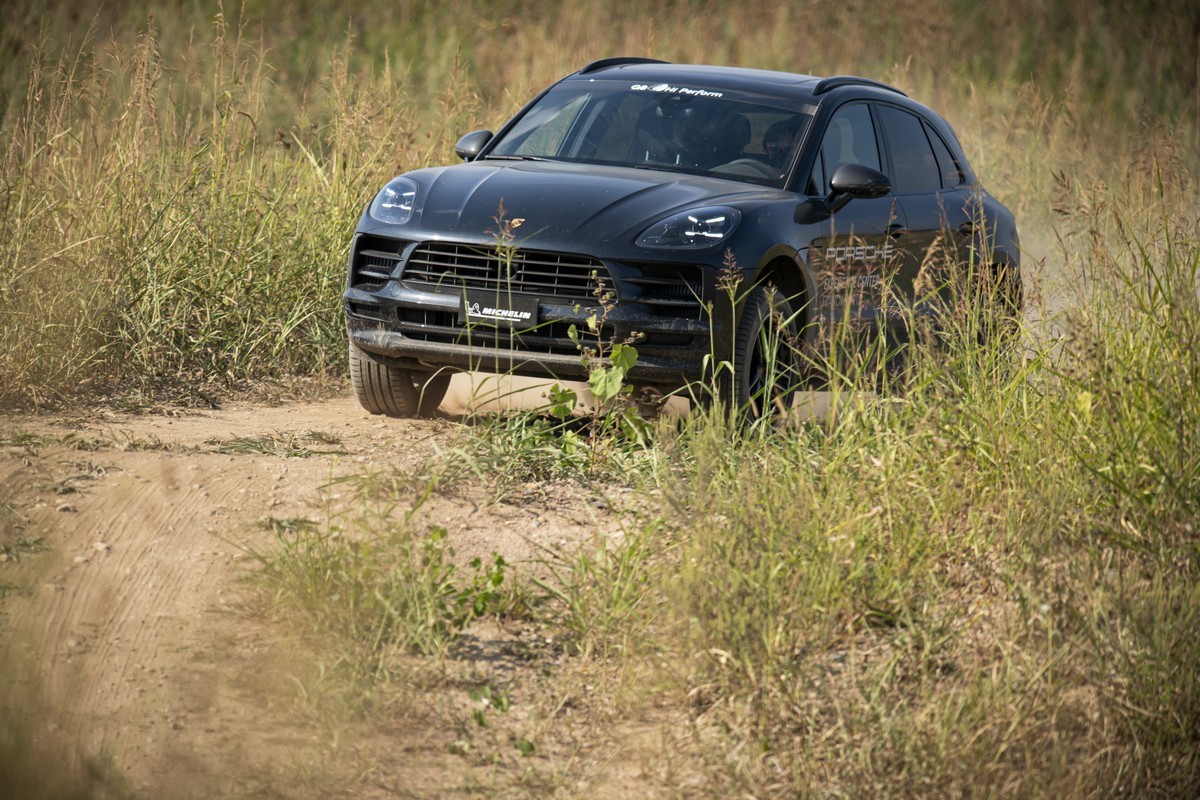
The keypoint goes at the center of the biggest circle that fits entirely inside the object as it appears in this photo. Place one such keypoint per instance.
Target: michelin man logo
(488, 312)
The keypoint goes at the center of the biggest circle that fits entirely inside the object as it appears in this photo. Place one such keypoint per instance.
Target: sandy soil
(130, 659)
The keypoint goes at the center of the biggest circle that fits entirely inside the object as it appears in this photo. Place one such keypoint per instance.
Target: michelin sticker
(488, 312)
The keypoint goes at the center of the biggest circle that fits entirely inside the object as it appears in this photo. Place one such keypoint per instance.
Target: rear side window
(951, 173)
(914, 166)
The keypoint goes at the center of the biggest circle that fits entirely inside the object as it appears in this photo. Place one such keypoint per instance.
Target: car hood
(561, 203)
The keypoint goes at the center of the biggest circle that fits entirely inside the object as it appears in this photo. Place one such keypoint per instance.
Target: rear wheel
(1002, 318)
(394, 391)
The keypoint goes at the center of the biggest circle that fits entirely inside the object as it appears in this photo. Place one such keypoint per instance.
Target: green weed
(603, 591)
(508, 450)
(284, 444)
(20, 547)
(374, 589)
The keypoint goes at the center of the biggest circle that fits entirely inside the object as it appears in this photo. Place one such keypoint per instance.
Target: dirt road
(131, 662)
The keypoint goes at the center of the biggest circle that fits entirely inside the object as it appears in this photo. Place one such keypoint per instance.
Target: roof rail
(605, 63)
(826, 84)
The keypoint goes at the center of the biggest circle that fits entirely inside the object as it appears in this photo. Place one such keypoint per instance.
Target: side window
(915, 169)
(951, 173)
(849, 139)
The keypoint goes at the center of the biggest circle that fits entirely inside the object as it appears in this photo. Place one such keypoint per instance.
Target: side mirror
(851, 181)
(469, 146)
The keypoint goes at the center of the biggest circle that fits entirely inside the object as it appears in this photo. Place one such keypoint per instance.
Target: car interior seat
(732, 139)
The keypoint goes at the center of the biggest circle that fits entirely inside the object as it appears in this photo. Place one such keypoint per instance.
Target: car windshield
(680, 129)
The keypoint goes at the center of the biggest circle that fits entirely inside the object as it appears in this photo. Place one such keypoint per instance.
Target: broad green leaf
(623, 357)
(606, 382)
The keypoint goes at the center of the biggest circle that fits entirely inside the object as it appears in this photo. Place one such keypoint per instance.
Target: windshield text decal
(666, 87)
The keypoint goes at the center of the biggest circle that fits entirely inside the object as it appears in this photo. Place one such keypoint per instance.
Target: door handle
(967, 228)
(896, 230)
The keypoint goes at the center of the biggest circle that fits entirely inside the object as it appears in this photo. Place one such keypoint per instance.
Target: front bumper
(414, 317)
(402, 351)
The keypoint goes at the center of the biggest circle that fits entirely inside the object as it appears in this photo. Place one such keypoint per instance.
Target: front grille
(442, 266)
(568, 279)
(548, 337)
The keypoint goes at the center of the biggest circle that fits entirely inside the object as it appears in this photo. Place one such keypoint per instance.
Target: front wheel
(766, 362)
(394, 391)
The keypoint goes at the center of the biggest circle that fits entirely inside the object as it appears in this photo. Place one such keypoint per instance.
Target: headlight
(396, 202)
(693, 229)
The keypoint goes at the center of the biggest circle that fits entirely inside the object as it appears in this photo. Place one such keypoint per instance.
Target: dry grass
(179, 191)
(982, 586)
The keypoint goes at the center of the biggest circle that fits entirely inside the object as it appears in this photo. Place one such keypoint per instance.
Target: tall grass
(179, 187)
(177, 246)
(983, 585)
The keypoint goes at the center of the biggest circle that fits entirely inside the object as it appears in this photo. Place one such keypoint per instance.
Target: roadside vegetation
(981, 586)
(975, 576)
(179, 187)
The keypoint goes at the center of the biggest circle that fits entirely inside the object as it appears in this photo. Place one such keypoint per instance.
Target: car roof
(783, 84)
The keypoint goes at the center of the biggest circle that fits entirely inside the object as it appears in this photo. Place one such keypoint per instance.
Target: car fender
(795, 277)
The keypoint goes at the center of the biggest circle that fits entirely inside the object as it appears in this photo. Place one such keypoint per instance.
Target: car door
(853, 256)
(928, 185)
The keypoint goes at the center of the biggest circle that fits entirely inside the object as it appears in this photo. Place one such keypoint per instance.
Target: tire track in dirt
(145, 572)
(135, 651)
(124, 629)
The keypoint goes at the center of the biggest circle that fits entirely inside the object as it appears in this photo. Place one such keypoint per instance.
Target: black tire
(1012, 291)
(396, 392)
(1003, 318)
(767, 368)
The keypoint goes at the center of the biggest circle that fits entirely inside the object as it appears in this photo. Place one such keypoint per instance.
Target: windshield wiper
(517, 158)
(687, 170)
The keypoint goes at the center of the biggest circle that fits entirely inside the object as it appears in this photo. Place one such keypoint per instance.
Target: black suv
(679, 207)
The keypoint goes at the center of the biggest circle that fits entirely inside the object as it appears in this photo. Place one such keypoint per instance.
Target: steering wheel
(749, 167)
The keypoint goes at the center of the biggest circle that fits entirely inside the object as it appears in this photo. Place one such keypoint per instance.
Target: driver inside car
(778, 141)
